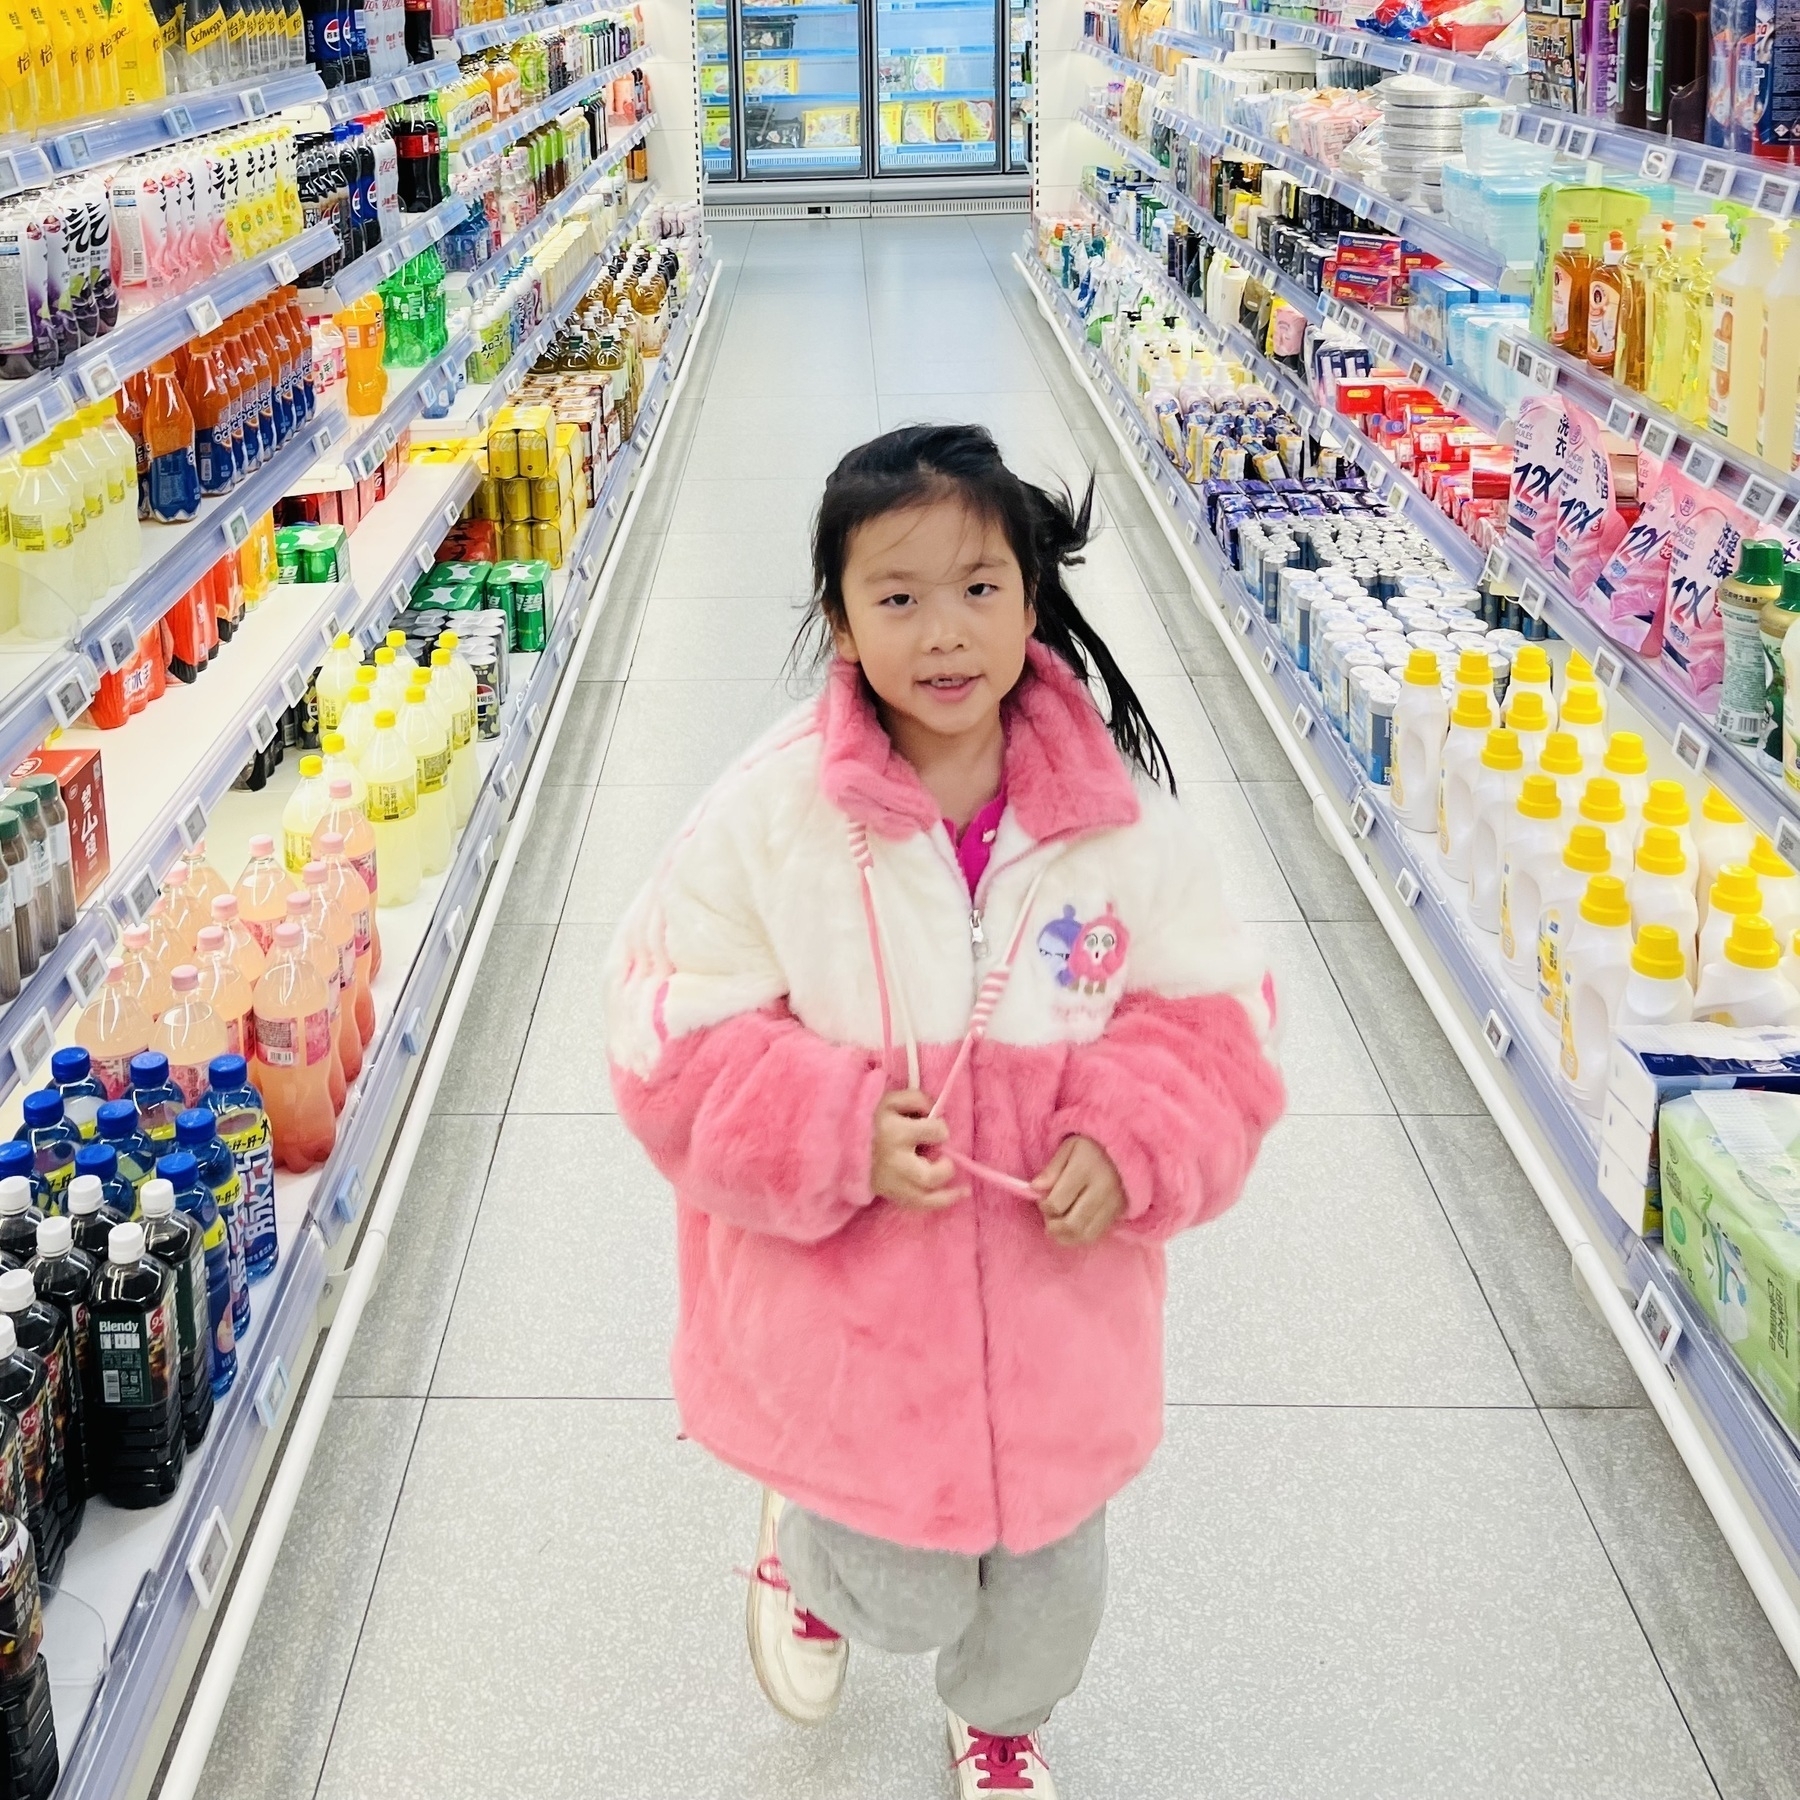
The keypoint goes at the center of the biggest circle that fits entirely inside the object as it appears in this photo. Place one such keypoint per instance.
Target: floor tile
(1193, 635)
(691, 637)
(480, 1074)
(278, 1723)
(1184, 728)
(1334, 1281)
(1252, 747)
(1253, 884)
(709, 505)
(718, 565)
(1739, 1693)
(1129, 629)
(1318, 875)
(1369, 1605)
(402, 1329)
(760, 370)
(586, 727)
(540, 877)
(1324, 1060)
(627, 831)
(689, 731)
(563, 1068)
(573, 1180)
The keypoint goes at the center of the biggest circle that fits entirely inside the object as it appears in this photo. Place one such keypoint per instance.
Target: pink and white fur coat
(950, 1380)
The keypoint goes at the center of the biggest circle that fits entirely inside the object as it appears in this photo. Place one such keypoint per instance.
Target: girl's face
(936, 614)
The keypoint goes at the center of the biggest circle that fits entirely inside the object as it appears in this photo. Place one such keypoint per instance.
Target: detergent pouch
(1540, 448)
(1704, 551)
(1629, 593)
(1589, 525)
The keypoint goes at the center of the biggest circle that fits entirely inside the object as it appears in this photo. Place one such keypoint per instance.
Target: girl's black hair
(921, 463)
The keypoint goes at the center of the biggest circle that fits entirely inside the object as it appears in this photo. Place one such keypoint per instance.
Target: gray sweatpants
(1012, 1633)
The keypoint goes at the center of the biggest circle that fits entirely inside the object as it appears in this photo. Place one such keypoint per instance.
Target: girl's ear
(844, 644)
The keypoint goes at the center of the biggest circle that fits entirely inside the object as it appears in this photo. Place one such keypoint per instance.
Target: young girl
(936, 1019)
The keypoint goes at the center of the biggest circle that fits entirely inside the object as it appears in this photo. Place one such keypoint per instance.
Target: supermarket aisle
(1412, 1529)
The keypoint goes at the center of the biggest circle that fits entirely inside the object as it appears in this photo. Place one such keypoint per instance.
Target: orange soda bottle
(262, 891)
(189, 1034)
(143, 975)
(325, 916)
(241, 944)
(114, 1028)
(224, 989)
(324, 957)
(347, 888)
(204, 882)
(365, 380)
(292, 1008)
(169, 444)
(184, 913)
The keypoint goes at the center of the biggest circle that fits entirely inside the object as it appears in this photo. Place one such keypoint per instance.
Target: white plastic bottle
(1420, 722)
(1740, 297)
(1584, 719)
(1561, 759)
(1667, 805)
(1597, 965)
(1780, 888)
(1497, 785)
(1534, 841)
(1661, 891)
(1745, 986)
(1628, 763)
(1529, 718)
(1531, 675)
(1722, 835)
(1474, 675)
(1577, 671)
(1734, 894)
(1470, 723)
(1659, 992)
(1583, 856)
(1602, 804)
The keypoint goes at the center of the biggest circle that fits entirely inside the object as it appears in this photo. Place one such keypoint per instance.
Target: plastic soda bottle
(306, 806)
(169, 441)
(133, 1149)
(348, 891)
(348, 821)
(157, 1099)
(209, 399)
(72, 1072)
(44, 1331)
(324, 957)
(205, 883)
(197, 1133)
(62, 1273)
(292, 1069)
(337, 675)
(112, 1030)
(25, 1394)
(93, 1212)
(242, 1123)
(240, 943)
(465, 772)
(427, 735)
(19, 1214)
(365, 380)
(393, 804)
(224, 989)
(143, 976)
(186, 911)
(262, 892)
(42, 523)
(53, 1142)
(195, 1198)
(325, 916)
(138, 1432)
(190, 1034)
(177, 1243)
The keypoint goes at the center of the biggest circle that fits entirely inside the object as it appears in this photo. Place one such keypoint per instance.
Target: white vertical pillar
(674, 75)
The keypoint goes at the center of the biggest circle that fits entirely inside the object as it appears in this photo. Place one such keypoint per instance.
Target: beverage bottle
(390, 681)
(364, 341)
(262, 892)
(176, 1241)
(53, 1142)
(300, 817)
(210, 401)
(465, 772)
(247, 437)
(224, 989)
(85, 479)
(196, 1132)
(19, 1215)
(1739, 300)
(242, 1123)
(292, 1070)
(392, 806)
(156, 1098)
(194, 1198)
(241, 945)
(20, 891)
(326, 917)
(72, 1072)
(346, 889)
(322, 953)
(337, 674)
(42, 526)
(44, 1332)
(357, 723)
(404, 660)
(427, 736)
(113, 445)
(138, 1426)
(54, 814)
(169, 439)
(92, 1212)
(339, 767)
(136, 1151)
(268, 372)
(25, 1396)
(190, 1034)
(63, 1275)
(40, 856)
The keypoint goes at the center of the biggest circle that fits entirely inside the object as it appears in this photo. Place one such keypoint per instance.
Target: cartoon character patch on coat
(1084, 957)
(1055, 943)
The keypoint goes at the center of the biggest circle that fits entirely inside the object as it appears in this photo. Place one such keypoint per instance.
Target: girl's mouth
(949, 687)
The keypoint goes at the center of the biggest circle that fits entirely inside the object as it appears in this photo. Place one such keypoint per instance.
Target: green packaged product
(324, 554)
(526, 590)
(287, 552)
(1731, 1225)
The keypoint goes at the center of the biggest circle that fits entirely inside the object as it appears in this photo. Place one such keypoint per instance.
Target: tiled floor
(1412, 1531)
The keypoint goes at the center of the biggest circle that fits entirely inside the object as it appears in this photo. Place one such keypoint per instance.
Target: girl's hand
(1080, 1194)
(900, 1171)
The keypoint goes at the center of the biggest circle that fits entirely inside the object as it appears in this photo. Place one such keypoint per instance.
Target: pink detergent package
(1540, 446)
(1703, 552)
(1589, 524)
(1629, 594)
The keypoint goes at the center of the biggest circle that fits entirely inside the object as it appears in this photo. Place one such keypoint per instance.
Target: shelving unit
(355, 279)
(529, 118)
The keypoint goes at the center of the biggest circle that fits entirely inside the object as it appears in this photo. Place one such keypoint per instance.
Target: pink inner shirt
(974, 845)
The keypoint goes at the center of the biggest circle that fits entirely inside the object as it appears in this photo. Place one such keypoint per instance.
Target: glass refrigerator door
(712, 30)
(1021, 110)
(935, 65)
(802, 89)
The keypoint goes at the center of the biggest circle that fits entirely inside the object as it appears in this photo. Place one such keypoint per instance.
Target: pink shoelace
(806, 1627)
(1002, 1762)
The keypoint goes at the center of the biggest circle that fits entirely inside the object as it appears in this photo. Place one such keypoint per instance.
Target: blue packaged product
(116, 1125)
(195, 1198)
(53, 1142)
(72, 1075)
(196, 1132)
(156, 1097)
(1433, 296)
(243, 1127)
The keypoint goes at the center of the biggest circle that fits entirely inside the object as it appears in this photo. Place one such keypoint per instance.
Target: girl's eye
(896, 600)
(980, 590)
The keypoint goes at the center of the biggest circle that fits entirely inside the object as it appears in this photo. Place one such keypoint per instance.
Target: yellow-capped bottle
(392, 808)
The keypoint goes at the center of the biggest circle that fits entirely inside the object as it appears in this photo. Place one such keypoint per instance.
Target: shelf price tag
(1268, 659)
(1715, 180)
(321, 440)
(1241, 621)
(1303, 719)
(1531, 599)
(69, 698)
(190, 827)
(403, 87)
(32, 1047)
(329, 628)
(281, 266)
(1609, 666)
(1659, 439)
(504, 779)
(26, 424)
(293, 686)
(87, 974)
(1496, 1035)
(98, 378)
(262, 730)
(453, 930)
(1761, 499)
(1702, 464)
(118, 645)
(142, 893)
(1787, 838)
(1496, 565)
(1406, 885)
(1580, 142)
(236, 526)
(1362, 815)
(1775, 196)
(422, 556)
(255, 105)
(1621, 420)
(178, 122)
(270, 1394)
(1691, 747)
(388, 260)
(1661, 1325)
(1656, 164)
(9, 174)
(203, 314)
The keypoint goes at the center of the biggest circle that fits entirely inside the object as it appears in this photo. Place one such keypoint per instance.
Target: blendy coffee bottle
(137, 1349)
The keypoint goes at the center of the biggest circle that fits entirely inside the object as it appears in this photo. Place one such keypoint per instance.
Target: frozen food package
(918, 123)
(829, 126)
(928, 71)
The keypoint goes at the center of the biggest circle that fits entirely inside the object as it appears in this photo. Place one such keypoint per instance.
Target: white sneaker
(799, 1660)
(984, 1764)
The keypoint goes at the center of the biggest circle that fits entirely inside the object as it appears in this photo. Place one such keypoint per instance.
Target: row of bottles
(367, 40)
(36, 860)
(350, 179)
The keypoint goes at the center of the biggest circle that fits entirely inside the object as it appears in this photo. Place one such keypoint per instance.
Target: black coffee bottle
(91, 1215)
(176, 1241)
(18, 1222)
(64, 1277)
(25, 1394)
(137, 1350)
(28, 1763)
(44, 1331)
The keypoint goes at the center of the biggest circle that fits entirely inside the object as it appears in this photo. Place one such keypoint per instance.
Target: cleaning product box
(1731, 1205)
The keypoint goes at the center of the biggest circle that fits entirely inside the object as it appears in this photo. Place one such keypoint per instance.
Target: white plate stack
(1421, 126)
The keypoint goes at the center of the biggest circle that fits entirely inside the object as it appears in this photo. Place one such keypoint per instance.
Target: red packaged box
(83, 790)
